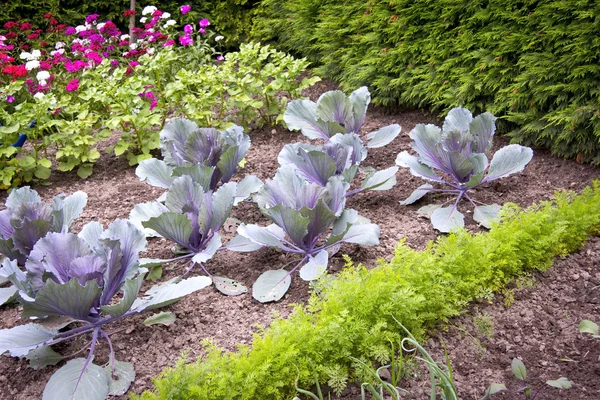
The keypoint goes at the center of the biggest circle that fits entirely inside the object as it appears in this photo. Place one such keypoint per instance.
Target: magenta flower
(220, 58)
(72, 85)
(91, 18)
(70, 31)
(188, 29)
(133, 63)
(185, 9)
(114, 63)
(186, 40)
(202, 31)
(169, 42)
(10, 99)
(204, 23)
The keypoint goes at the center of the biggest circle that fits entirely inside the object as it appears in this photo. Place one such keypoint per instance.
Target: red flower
(47, 16)
(25, 26)
(128, 13)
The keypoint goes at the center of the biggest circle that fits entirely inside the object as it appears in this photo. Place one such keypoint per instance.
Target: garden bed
(114, 189)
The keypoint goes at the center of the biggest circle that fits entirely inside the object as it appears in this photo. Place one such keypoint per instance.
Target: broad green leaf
(427, 210)
(42, 172)
(242, 244)
(228, 286)
(485, 215)
(381, 180)
(8, 294)
(69, 299)
(259, 235)
(163, 317)
(383, 136)
(302, 115)
(170, 292)
(131, 288)
(85, 170)
(560, 383)
(363, 234)
(518, 369)
(156, 172)
(495, 388)
(65, 384)
(335, 106)
(446, 219)
(587, 326)
(416, 168)
(315, 267)
(271, 285)
(143, 212)
(26, 161)
(43, 357)
(508, 160)
(20, 340)
(417, 194)
(120, 378)
(211, 248)
(172, 226)
(458, 119)
(246, 187)
(360, 100)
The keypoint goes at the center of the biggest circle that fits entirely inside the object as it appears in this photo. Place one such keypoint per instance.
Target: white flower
(148, 10)
(143, 20)
(166, 15)
(36, 54)
(170, 22)
(100, 25)
(31, 65)
(43, 82)
(43, 75)
(151, 50)
(124, 37)
(152, 39)
(59, 45)
(80, 28)
(2, 38)
(39, 95)
(217, 38)
(151, 30)
(133, 46)
(25, 56)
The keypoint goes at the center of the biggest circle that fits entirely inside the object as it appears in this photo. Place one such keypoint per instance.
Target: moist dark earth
(540, 326)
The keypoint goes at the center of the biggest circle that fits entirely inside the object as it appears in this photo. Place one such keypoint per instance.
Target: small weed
(485, 324)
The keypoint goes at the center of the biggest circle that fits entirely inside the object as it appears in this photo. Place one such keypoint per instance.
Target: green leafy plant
(460, 150)
(76, 279)
(589, 327)
(528, 392)
(351, 315)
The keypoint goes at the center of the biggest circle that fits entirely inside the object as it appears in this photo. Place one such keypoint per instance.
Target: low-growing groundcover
(352, 314)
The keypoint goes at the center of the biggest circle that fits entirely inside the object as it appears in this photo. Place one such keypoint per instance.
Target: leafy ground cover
(115, 189)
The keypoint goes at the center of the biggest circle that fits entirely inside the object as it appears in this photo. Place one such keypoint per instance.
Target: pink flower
(114, 63)
(204, 23)
(169, 42)
(72, 85)
(10, 99)
(220, 58)
(133, 63)
(185, 9)
(202, 31)
(186, 40)
(70, 31)
(188, 29)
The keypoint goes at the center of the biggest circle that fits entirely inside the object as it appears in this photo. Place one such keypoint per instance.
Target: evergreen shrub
(536, 63)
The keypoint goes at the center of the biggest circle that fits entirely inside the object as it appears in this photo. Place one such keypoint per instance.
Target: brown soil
(114, 189)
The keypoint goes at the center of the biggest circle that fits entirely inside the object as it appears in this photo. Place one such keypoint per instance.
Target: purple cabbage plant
(460, 151)
(196, 152)
(308, 220)
(191, 217)
(26, 220)
(75, 285)
(336, 119)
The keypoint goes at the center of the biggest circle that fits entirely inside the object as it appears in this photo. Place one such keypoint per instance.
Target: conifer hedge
(533, 62)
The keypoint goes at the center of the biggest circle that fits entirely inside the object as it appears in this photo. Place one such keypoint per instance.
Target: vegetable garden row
(185, 100)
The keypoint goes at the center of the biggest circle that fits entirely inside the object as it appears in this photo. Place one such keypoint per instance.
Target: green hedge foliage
(230, 18)
(536, 63)
(351, 314)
